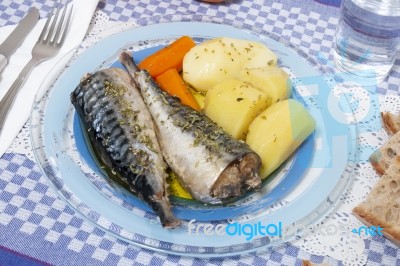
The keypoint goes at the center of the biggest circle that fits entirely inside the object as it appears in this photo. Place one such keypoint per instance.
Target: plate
(301, 192)
(273, 188)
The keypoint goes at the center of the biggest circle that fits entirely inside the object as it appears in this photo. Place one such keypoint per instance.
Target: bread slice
(391, 122)
(381, 158)
(382, 205)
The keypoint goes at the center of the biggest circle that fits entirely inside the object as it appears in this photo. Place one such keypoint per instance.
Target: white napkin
(20, 112)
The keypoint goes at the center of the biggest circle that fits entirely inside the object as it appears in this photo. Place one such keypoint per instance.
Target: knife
(14, 40)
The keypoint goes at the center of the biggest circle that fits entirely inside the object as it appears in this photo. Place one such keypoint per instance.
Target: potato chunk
(272, 80)
(277, 132)
(213, 61)
(233, 104)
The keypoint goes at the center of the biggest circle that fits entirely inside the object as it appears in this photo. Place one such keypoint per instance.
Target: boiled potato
(213, 61)
(278, 131)
(233, 104)
(271, 79)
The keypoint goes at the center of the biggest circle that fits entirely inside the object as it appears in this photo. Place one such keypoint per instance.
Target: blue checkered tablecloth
(38, 228)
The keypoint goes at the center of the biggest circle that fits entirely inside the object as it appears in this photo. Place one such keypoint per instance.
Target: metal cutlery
(48, 45)
(17, 36)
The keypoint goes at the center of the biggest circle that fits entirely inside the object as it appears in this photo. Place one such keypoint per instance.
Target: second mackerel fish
(210, 164)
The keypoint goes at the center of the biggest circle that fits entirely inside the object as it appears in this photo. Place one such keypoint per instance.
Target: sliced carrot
(171, 82)
(168, 57)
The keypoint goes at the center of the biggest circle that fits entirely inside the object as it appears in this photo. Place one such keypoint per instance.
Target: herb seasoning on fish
(210, 164)
(122, 132)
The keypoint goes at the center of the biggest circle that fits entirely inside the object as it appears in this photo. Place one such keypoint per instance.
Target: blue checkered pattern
(35, 222)
(12, 11)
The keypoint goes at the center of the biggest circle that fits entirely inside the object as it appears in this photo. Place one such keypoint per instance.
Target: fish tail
(165, 215)
(127, 61)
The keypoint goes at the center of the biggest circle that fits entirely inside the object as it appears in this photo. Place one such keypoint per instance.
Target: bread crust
(381, 159)
(378, 166)
(391, 122)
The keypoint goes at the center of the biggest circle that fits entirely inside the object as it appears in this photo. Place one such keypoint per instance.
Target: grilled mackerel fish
(210, 164)
(122, 133)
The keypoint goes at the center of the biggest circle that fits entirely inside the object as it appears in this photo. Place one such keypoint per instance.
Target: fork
(47, 46)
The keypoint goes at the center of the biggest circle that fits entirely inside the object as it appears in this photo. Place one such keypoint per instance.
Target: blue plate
(275, 187)
(299, 194)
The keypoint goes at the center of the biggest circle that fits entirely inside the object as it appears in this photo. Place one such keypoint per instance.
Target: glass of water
(368, 38)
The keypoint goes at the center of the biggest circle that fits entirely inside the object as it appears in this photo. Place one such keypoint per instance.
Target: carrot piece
(171, 82)
(168, 57)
